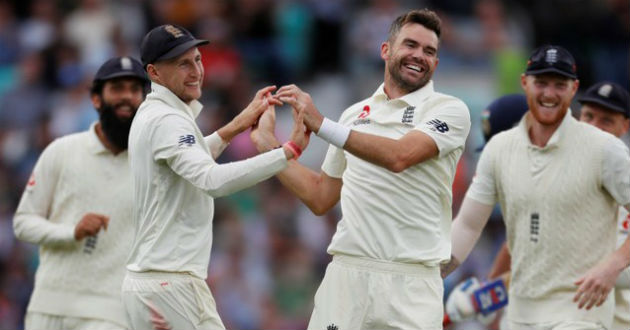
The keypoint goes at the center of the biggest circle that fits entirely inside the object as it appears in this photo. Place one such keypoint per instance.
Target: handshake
(472, 299)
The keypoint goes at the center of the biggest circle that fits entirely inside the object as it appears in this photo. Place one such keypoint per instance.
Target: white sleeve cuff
(216, 144)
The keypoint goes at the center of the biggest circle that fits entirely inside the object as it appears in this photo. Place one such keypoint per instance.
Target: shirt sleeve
(483, 187)
(174, 141)
(448, 125)
(616, 171)
(30, 222)
(216, 144)
(335, 162)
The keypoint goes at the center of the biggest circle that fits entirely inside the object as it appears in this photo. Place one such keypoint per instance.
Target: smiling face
(182, 75)
(549, 96)
(610, 121)
(410, 59)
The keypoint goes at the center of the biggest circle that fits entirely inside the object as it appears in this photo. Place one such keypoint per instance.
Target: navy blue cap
(167, 41)
(608, 95)
(502, 114)
(551, 59)
(121, 67)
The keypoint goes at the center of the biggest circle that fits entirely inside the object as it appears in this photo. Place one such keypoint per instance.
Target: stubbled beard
(408, 87)
(116, 130)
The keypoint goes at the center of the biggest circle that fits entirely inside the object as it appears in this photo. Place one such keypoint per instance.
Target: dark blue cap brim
(128, 74)
(180, 49)
(604, 104)
(551, 70)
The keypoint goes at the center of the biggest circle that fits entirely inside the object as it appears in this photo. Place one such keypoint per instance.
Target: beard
(544, 118)
(116, 130)
(406, 84)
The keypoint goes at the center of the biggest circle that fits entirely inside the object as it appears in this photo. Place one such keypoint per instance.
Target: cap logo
(605, 90)
(125, 63)
(551, 56)
(174, 31)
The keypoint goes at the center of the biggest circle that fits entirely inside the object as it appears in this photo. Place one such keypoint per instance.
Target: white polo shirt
(401, 217)
(175, 181)
(76, 175)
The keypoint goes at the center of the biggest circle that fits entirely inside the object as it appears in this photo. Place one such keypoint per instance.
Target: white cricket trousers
(161, 300)
(360, 293)
(39, 321)
(564, 325)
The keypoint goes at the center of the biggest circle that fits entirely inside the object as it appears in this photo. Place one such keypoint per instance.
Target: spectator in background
(80, 185)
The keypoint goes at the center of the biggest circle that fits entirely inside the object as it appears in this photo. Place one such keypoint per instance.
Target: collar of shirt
(159, 92)
(413, 98)
(556, 138)
(94, 143)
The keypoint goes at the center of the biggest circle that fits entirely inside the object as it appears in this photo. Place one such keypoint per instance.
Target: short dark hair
(425, 17)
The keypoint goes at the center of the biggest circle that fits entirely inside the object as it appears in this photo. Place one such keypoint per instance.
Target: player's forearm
(36, 229)
(467, 228)
(394, 155)
(624, 253)
(230, 130)
(308, 186)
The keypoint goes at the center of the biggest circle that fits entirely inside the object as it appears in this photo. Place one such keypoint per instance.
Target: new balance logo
(188, 140)
(438, 125)
(332, 327)
(407, 117)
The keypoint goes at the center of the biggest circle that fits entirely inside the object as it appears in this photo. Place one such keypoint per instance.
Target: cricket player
(77, 206)
(175, 180)
(558, 182)
(606, 106)
(391, 162)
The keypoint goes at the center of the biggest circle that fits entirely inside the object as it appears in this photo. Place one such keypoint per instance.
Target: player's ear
(152, 72)
(523, 81)
(97, 101)
(385, 50)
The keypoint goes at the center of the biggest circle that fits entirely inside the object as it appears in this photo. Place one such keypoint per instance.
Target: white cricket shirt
(401, 217)
(76, 175)
(559, 204)
(175, 180)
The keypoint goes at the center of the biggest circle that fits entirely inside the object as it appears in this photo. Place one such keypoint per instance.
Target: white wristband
(333, 133)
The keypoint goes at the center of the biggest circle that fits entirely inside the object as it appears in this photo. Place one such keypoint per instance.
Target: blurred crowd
(269, 250)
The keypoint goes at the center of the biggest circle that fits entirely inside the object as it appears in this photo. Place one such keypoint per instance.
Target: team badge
(407, 117)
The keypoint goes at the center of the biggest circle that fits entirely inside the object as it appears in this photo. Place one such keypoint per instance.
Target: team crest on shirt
(407, 117)
(186, 140)
(437, 125)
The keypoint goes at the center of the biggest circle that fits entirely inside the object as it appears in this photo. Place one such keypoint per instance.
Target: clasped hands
(306, 117)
